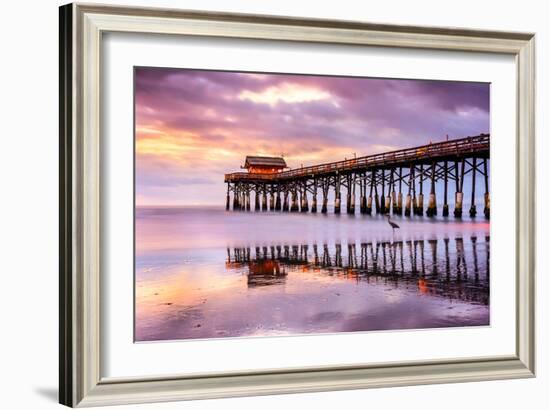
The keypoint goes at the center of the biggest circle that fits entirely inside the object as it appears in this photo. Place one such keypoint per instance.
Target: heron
(393, 225)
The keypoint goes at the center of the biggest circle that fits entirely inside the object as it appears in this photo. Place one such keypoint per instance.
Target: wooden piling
(408, 198)
(393, 193)
(294, 201)
(286, 208)
(473, 210)
(420, 203)
(304, 204)
(400, 194)
(369, 200)
(337, 198)
(363, 194)
(227, 199)
(382, 194)
(432, 205)
(324, 206)
(271, 200)
(351, 189)
(445, 189)
(314, 198)
(264, 199)
(458, 194)
(487, 208)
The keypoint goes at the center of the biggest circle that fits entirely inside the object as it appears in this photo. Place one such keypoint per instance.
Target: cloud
(202, 124)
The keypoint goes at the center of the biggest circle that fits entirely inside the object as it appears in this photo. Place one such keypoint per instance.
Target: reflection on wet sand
(311, 287)
(438, 267)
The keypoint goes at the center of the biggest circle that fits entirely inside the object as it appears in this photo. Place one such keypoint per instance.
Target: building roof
(255, 161)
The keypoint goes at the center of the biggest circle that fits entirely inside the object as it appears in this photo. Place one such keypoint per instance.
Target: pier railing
(478, 145)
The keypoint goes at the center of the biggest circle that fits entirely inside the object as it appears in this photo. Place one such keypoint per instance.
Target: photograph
(277, 204)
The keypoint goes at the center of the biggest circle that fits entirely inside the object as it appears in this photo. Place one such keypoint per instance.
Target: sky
(194, 126)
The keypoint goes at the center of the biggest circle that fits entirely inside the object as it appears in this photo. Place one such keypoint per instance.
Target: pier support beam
(363, 194)
(445, 189)
(393, 193)
(473, 210)
(337, 198)
(376, 198)
(400, 194)
(420, 205)
(264, 200)
(256, 200)
(325, 198)
(459, 196)
(235, 198)
(278, 200)
(304, 204)
(247, 199)
(227, 199)
(285, 201)
(487, 208)
(408, 199)
(294, 204)
(382, 195)
(351, 194)
(271, 200)
(348, 193)
(432, 205)
(369, 199)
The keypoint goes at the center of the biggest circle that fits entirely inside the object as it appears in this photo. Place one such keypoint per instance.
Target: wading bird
(393, 225)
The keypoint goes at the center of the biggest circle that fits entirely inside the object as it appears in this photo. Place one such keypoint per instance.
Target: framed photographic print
(259, 205)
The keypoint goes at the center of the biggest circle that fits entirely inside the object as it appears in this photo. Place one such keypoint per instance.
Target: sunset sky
(193, 126)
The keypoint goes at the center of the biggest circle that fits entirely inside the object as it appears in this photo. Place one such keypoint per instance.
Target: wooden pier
(391, 182)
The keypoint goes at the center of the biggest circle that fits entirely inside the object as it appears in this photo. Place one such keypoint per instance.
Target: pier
(394, 182)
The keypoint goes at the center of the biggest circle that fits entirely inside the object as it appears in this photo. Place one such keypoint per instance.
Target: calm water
(205, 273)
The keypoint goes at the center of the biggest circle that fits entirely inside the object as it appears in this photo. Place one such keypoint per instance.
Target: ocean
(204, 272)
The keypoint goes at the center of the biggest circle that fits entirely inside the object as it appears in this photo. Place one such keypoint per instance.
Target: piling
(473, 210)
(459, 196)
(294, 203)
(382, 198)
(363, 197)
(337, 203)
(314, 198)
(487, 208)
(257, 201)
(420, 204)
(337, 199)
(432, 205)
(285, 201)
(264, 200)
(445, 189)
(235, 199)
(314, 203)
(304, 204)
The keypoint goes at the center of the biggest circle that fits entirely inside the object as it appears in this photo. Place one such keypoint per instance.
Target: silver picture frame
(81, 30)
